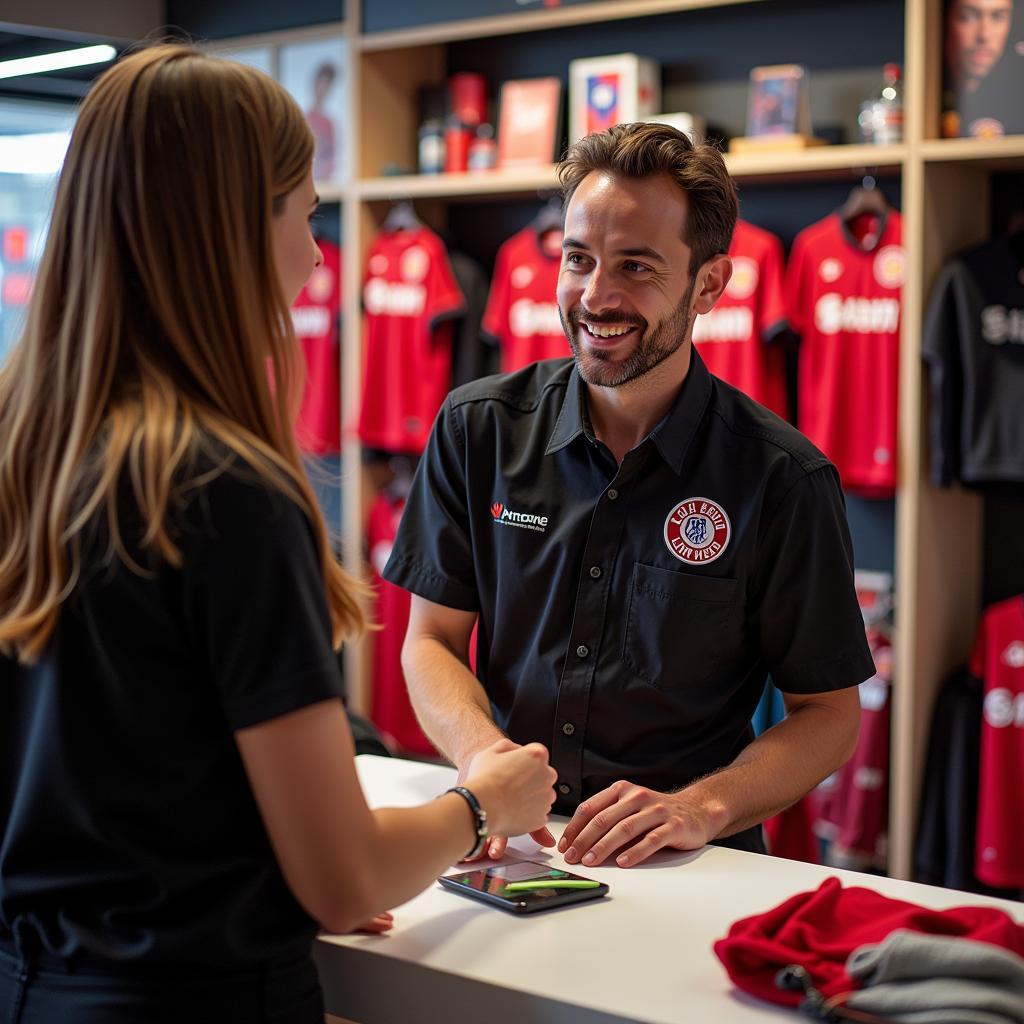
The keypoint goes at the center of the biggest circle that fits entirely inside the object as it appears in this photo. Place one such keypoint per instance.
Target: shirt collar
(672, 436)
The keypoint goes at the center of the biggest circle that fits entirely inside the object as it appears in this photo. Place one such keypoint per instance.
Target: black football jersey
(974, 345)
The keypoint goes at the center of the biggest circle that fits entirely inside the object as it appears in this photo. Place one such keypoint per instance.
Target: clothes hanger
(401, 217)
(866, 197)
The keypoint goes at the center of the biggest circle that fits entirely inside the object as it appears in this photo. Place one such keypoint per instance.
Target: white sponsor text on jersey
(311, 321)
(734, 323)
(1003, 708)
(1000, 325)
(527, 318)
(394, 298)
(833, 313)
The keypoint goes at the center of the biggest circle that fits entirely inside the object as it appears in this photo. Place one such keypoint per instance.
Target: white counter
(642, 954)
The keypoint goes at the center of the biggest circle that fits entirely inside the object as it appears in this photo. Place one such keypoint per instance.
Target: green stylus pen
(551, 883)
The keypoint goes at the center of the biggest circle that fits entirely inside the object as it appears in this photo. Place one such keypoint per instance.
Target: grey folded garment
(912, 978)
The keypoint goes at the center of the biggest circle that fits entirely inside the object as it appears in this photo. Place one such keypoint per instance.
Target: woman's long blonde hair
(157, 324)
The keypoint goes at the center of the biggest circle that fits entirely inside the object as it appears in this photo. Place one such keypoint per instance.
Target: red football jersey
(408, 290)
(998, 659)
(853, 803)
(843, 293)
(734, 338)
(390, 708)
(522, 309)
(317, 319)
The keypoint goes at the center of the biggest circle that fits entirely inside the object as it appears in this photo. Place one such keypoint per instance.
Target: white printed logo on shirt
(503, 515)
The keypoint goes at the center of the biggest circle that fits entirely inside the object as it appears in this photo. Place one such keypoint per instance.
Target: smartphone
(489, 885)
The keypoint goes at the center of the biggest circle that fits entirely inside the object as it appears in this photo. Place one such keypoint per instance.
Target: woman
(179, 809)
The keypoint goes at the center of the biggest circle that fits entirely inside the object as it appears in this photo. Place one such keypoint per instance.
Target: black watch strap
(481, 820)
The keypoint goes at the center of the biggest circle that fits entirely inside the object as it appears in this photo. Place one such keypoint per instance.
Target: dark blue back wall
(218, 19)
(718, 44)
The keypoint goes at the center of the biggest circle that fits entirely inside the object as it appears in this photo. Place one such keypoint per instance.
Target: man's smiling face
(625, 288)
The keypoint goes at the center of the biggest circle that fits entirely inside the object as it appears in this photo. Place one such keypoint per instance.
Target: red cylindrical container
(457, 138)
(469, 98)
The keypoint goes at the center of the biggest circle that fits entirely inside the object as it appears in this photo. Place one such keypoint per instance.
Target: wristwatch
(481, 820)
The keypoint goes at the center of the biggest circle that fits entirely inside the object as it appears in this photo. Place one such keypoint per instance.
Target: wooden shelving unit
(945, 203)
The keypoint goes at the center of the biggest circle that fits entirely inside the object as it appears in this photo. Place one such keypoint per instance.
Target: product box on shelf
(529, 122)
(611, 90)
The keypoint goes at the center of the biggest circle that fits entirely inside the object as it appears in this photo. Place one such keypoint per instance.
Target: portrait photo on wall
(314, 73)
(983, 59)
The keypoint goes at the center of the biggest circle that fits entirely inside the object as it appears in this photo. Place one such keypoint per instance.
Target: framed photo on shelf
(528, 122)
(778, 103)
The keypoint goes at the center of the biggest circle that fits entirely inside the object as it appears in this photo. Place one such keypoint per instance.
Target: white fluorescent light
(56, 61)
(41, 153)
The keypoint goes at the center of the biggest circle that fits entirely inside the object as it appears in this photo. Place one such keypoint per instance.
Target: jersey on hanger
(409, 293)
(853, 803)
(391, 712)
(734, 338)
(974, 345)
(843, 292)
(522, 308)
(998, 659)
(316, 316)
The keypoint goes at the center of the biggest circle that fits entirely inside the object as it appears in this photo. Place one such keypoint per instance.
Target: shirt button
(568, 728)
(595, 571)
(564, 789)
(582, 651)
(612, 494)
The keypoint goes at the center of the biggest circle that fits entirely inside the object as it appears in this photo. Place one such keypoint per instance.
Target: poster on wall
(314, 73)
(983, 59)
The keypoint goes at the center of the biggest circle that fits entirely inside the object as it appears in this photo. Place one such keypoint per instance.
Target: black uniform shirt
(128, 829)
(629, 614)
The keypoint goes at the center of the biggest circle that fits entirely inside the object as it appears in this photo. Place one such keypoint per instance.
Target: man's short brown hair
(640, 150)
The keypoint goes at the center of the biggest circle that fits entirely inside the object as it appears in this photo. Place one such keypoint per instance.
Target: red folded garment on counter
(819, 930)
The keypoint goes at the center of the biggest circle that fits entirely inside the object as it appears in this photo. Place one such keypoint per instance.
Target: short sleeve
(432, 554)
(940, 350)
(444, 297)
(256, 602)
(772, 314)
(495, 322)
(810, 625)
(795, 285)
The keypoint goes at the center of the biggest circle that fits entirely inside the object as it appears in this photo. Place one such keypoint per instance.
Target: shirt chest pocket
(677, 625)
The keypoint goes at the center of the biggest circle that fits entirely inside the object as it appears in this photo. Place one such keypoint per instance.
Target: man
(976, 35)
(641, 544)
(984, 75)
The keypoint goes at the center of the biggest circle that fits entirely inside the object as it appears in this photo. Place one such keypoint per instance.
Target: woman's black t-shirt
(128, 830)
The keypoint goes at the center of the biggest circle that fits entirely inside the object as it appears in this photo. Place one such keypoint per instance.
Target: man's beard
(656, 344)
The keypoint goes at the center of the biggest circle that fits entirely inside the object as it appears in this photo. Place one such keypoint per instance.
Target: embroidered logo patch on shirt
(697, 531)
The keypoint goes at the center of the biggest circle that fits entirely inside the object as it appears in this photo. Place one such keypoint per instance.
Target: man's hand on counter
(635, 818)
